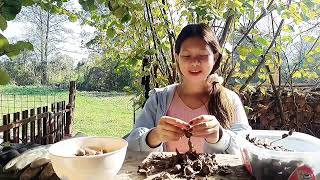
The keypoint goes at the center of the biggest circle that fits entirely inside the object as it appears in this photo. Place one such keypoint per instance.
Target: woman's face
(195, 59)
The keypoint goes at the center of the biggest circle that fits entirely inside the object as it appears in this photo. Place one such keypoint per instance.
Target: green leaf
(263, 41)
(119, 12)
(3, 23)
(242, 57)
(22, 45)
(288, 28)
(243, 50)
(10, 9)
(56, 10)
(309, 39)
(297, 75)
(286, 14)
(311, 59)
(254, 61)
(73, 18)
(27, 2)
(4, 77)
(310, 75)
(257, 51)
(3, 43)
(88, 5)
(262, 76)
(287, 39)
(126, 18)
(15, 49)
(111, 32)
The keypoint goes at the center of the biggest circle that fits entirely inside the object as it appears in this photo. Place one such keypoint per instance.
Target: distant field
(96, 113)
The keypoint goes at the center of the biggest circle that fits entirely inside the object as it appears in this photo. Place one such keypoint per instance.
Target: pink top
(181, 111)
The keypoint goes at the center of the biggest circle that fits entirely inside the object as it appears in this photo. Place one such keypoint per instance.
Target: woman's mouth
(194, 72)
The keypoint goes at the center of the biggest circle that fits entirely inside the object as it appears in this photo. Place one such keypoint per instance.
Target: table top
(134, 159)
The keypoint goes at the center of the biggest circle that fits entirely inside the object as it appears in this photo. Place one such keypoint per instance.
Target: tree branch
(226, 30)
(263, 57)
(263, 14)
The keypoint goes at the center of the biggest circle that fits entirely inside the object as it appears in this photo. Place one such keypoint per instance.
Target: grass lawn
(96, 113)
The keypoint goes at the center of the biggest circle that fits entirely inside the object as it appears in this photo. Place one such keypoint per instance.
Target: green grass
(96, 113)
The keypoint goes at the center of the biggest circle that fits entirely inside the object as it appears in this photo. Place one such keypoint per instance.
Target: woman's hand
(206, 126)
(168, 129)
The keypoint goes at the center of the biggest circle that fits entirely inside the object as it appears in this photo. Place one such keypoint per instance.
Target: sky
(72, 45)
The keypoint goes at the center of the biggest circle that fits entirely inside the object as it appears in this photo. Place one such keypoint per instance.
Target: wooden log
(32, 127)
(6, 134)
(25, 127)
(16, 117)
(57, 125)
(45, 127)
(39, 127)
(67, 128)
(70, 106)
(21, 122)
(63, 118)
(52, 125)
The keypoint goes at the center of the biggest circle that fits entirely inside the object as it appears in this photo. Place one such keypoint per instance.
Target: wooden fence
(42, 125)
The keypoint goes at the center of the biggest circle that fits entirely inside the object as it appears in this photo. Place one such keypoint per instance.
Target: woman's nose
(195, 62)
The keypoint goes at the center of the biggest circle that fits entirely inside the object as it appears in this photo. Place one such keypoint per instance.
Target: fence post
(25, 127)
(32, 126)
(57, 129)
(63, 118)
(70, 106)
(39, 134)
(16, 117)
(45, 126)
(6, 134)
(52, 124)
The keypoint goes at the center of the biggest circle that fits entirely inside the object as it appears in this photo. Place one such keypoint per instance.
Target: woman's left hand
(206, 126)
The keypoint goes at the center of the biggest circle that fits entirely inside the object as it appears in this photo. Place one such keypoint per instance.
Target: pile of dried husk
(301, 111)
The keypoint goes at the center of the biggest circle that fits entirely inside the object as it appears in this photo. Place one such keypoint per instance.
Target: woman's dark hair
(219, 103)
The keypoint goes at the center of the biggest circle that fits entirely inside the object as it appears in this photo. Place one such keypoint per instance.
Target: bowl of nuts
(85, 158)
(274, 154)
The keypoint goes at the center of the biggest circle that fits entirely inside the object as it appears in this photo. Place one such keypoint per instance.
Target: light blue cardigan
(157, 106)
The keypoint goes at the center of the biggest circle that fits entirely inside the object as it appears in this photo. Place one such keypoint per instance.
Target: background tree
(8, 11)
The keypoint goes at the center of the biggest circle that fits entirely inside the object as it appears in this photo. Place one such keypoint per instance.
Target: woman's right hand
(168, 129)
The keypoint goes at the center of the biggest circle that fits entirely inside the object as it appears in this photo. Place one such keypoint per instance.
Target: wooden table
(133, 159)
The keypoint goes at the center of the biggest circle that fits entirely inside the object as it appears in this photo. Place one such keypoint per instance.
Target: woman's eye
(185, 56)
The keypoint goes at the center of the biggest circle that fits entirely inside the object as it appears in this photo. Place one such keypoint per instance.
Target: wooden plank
(16, 117)
(28, 120)
(67, 128)
(6, 133)
(72, 93)
(63, 118)
(71, 105)
(32, 127)
(9, 131)
(45, 126)
(39, 127)
(134, 159)
(25, 127)
(21, 122)
(52, 125)
(57, 128)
